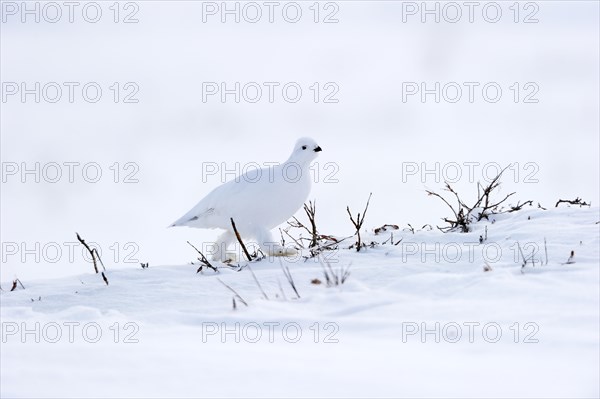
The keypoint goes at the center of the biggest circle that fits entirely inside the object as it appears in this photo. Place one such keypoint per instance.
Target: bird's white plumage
(258, 200)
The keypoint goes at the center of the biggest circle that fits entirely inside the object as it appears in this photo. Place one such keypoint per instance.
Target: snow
(184, 326)
(155, 158)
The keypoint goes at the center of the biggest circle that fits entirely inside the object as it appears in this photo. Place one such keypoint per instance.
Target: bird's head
(305, 150)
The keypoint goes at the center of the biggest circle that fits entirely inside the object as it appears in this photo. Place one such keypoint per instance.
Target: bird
(257, 201)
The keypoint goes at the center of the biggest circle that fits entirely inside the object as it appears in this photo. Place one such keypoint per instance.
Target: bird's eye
(304, 147)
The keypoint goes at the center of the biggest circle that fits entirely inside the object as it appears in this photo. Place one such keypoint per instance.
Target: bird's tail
(179, 222)
(191, 216)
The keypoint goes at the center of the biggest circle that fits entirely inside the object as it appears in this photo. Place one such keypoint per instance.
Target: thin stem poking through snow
(359, 222)
(14, 286)
(234, 292)
(332, 278)
(203, 261)
(94, 254)
(258, 283)
(289, 277)
(239, 238)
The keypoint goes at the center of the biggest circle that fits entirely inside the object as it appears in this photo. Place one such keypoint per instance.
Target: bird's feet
(230, 257)
(225, 257)
(278, 250)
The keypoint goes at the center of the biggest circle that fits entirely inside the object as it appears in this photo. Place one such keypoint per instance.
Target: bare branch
(443, 199)
(81, 240)
(298, 243)
(520, 206)
(464, 214)
(203, 261)
(359, 222)
(311, 210)
(239, 238)
(576, 201)
(385, 227)
(95, 255)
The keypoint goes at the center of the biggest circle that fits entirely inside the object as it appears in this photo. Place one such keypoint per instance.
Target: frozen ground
(148, 161)
(167, 331)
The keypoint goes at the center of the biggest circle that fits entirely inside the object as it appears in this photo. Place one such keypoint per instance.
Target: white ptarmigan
(257, 200)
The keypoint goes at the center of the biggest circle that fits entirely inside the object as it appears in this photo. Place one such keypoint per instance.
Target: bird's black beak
(318, 149)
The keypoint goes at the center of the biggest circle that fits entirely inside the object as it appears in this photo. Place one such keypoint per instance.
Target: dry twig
(94, 254)
(203, 261)
(239, 238)
(234, 292)
(464, 214)
(288, 276)
(576, 201)
(358, 222)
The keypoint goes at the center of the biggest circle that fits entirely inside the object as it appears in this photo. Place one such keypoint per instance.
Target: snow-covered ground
(120, 169)
(417, 319)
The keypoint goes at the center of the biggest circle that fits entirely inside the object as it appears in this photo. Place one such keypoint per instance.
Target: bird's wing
(219, 198)
(224, 201)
